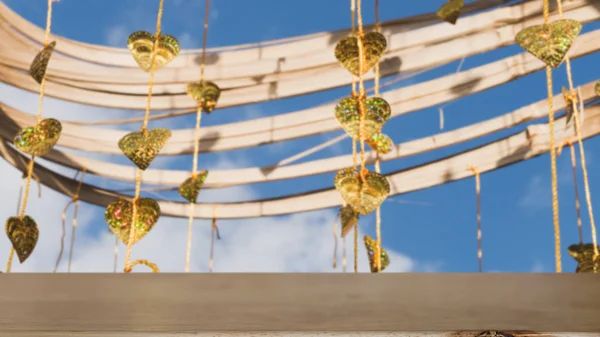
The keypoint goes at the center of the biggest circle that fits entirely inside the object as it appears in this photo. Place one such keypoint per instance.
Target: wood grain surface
(171, 303)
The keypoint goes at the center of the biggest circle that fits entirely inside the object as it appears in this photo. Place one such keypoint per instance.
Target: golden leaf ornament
(119, 215)
(141, 45)
(450, 11)
(205, 93)
(191, 187)
(40, 139)
(364, 190)
(38, 67)
(371, 246)
(23, 233)
(549, 43)
(142, 146)
(347, 53)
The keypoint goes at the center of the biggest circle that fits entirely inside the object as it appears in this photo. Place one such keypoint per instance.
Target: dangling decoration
(190, 188)
(142, 146)
(119, 217)
(38, 67)
(141, 44)
(380, 143)
(364, 191)
(347, 53)
(205, 93)
(348, 218)
(22, 230)
(372, 246)
(450, 11)
(23, 233)
(584, 255)
(40, 139)
(597, 88)
(571, 99)
(549, 42)
(348, 113)
(214, 233)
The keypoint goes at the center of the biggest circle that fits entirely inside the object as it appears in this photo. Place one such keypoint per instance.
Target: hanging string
(138, 179)
(575, 187)
(39, 119)
(555, 217)
(335, 239)
(214, 231)
(74, 200)
(441, 108)
(377, 164)
(478, 198)
(586, 184)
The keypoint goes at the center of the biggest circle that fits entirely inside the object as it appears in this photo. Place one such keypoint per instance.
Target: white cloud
(296, 243)
(116, 36)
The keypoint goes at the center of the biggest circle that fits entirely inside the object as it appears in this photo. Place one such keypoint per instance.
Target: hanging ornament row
(37, 141)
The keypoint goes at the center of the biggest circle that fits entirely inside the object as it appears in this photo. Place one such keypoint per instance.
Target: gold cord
(147, 263)
(335, 239)
(197, 139)
(576, 189)
(586, 184)
(377, 164)
(75, 200)
(555, 217)
(478, 198)
(138, 179)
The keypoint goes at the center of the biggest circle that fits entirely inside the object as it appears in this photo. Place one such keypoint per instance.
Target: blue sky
(438, 235)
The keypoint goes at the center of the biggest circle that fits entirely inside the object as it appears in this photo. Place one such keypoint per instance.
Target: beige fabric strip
(222, 178)
(521, 146)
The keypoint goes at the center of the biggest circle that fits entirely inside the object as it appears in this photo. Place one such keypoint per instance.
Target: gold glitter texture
(40, 139)
(346, 52)
(118, 216)
(584, 255)
(349, 219)
(549, 43)
(23, 233)
(142, 146)
(141, 45)
(205, 93)
(597, 88)
(371, 246)
(38, 67)
(190, 188)
(377, 112)
(380, 143)
(364, 196)
(450, 11)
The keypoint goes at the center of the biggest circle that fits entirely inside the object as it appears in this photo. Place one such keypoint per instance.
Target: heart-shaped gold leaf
(40, 139)
(142, 146)
(377, 111)
(190, 188)
(38, 67)
(349, 219)
(450, 11)
(371, 246)
(363, 191)
(597, 88)
(119, 214)
(549, 43)
(141, 45)
(584, 254)
(205, 93)
(347, 54)
(380, 143)
(23, 233)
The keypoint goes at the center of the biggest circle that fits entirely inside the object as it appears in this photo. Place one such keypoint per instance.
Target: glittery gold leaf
(205, 93)
(380, 143)
(597, 88)
(190, 188)
(549, 43)
(349, 219)
(450, 11)
(371, 246)
(23, 234)
(377, 112)
(119, 214)
(38, 67)
(141, 147)
(141, 45)
(347, 54)
(584, 254)
(40, 139)
(363, 191)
